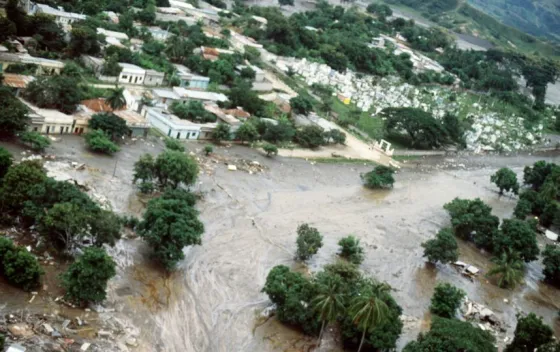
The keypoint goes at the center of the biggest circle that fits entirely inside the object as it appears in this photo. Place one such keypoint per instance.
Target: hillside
(540, 18)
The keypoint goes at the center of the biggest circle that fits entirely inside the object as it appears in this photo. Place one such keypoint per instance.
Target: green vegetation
(222, 132)
(530, 334)
(86, 279)
(247, 132)
(446, 300)
(309, 241)
(6, 160)
(14, 116)
(367, 313)
(98, 141)
(168, 225)
(443, 248)
(551, 262)
(509, 269)
(506, 180)
(111, 124)
(171, 168)
(208, 149)
(18, 266)
(301, 105)
(473, 220)
(174, 144)
(351, 250)
(35, 140)
(451, 335)
(55, 92)
(270, 149)
(116, 99)
(193, 111)
(380, 177)
(311, 136)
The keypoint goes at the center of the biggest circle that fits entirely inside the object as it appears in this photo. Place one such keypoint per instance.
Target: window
(178, 135)
(124, 77)
(34, 129)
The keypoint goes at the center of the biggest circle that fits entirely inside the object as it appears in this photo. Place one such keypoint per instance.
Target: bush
(21, 268)
(380, 177)
(443, 248)
(446, 300)
(35, 140)
(530, 334)
(270, 149)
(98, 141)
(551, 262)
(506, 180)
(208, 149)
(222, 132)
(351, 250)
(173, 144)
(301, 105)
(335, 136)
(6, 245)
(86, 279)
(6, 160)
(309, 241)
(311, 136)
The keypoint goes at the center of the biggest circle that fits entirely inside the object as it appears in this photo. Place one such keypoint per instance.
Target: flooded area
(213, 302)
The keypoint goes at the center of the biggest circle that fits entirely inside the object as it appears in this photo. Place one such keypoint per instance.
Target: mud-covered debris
(20, 330)
(85, 346)
(232, 167)
(16, 348)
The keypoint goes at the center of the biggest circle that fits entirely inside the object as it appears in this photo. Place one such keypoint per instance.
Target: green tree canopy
(446, 300)
(551, 262)
(55, 92)
(110, 124)
(301, 105)
(116, 99)
(6, 160)
(311, 136)
(506, 180)
(21, 268)
(509, 268)
(173, 168)
(86, 279)
(247, 132)
(14, 116)
(98, 141)
(169, 225)
(83, 41)
(35, 140)
(222, 132)
(530, 334)
(421, 127)
(351, 250)
(380, 177)
(17, 181)
(473, 220)
(518, 236)
(174, 144)
(443, 248)
(309, 241)
(270, 149)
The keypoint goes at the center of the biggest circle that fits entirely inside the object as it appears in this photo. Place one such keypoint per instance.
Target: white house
(159, 34)
(189, 94)
(61, 17)
(154, 78)
(173, 127)
(189, 80)
(54, 121)
(131, 74)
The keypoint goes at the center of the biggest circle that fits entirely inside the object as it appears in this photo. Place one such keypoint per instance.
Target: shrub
(530, 334)
(380, 177)
(551, 262)
(86, 279)
(173, 144)
(222, 132)
(351, 250)
(301, 105)
(6, 160)
(270, 149)
(311, 136)
(446, 299)
(22, 269)
(208, 149)
(506, 180)
(35, 140)
(98, 141)
(309, 241)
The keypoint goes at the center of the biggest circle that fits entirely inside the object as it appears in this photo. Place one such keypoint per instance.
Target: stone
(131, 341)
(20, 330)
(48, 328)
(104, 333)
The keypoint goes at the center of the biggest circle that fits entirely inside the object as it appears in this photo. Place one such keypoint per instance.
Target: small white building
(54, 121)
(131, 74)
(159, 34)
(173, 127)
(189, 80)
(154, 78)
(61, 17)
(187, 95)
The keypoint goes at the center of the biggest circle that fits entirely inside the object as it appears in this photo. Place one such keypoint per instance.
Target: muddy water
(213, 302)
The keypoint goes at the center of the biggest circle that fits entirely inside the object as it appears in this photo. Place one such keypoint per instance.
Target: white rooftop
(165, 93)
(199, 95)
(130, 68)
(113, 34)
(58, 13)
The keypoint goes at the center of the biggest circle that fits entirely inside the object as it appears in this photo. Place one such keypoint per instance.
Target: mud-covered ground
(213, 302)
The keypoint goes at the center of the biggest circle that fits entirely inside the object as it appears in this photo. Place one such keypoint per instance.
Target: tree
(247, 132)
(144, 170)
(208, 149)
(443, 248)
(21, 268)
(247, 73)
(111, 66)
(522, 209)
(351, 250)
(536, 176)
(116, 99)
(509, 267)
(452, 335)
(518, 236)
(301, 105)
(530, 334)
(98, 141)
(169, 225)
(6, 160)
(222, 132)
(270, 149)
(506, 180)
(55, 92)
(173, 168)
(336, 136)
(35, 140)
(86, 279)
(7, 29)
(83, 41)
(551, 262)
(369, 310)
(286, 2)
(380, 177)
(282, 131)
(14, 116)
(422, 128)
(446, 300)
(473, 220)
(194, 111)
(308, 242)
(173, 144)
(65, 223)
(311, 136)
(17, 181)
(329, 304)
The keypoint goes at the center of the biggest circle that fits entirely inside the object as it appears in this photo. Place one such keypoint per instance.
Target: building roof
(59, 13)
(154, 73)
(132, 118)
(50, 115)
(260, 19)
(237, 113)
(112, 34)
(165, 93)
(114, 41)
(97, 105)
(199, 95)
(177, 122)
(130, 68)
(17, 81)
(230, 120)
(28, 59)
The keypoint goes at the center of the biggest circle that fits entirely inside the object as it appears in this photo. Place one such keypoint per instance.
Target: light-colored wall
(54, 128)
(153, 80)
(162, 125)
(131, 78)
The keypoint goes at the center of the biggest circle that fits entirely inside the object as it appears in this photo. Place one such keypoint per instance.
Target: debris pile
(484, 318)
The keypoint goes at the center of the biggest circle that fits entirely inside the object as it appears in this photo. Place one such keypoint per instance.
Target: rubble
(484, 317)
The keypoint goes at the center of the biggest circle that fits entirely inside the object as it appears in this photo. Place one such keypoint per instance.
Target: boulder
(20, 330)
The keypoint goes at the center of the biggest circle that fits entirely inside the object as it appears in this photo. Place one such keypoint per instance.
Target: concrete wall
(56, 128)
(165, 127)
(153, 80)
(131, 78)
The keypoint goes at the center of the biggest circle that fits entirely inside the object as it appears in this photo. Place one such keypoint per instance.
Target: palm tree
(368, 308)
(328, 303)
(116, 98)
(510, 268)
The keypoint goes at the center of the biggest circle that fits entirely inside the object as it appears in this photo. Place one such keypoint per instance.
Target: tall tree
(506, 180)
(530, 334)
(329, 304)
(369, 310)
(443, 248)
(116, 98)
(509, 267)
(13, 118)
(113, 125)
